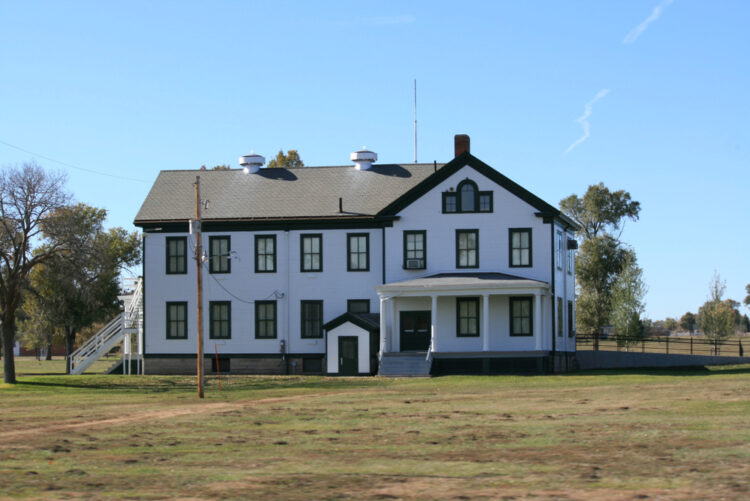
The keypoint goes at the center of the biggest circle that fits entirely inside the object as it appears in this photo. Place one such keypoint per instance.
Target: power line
(91, 171)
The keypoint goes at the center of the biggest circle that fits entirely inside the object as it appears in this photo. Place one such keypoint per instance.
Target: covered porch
(466, 316)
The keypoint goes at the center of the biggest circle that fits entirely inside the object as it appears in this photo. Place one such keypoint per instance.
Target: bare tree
(29, 196)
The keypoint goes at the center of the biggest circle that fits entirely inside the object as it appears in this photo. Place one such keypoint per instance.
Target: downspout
(288, 300)
(143, 300)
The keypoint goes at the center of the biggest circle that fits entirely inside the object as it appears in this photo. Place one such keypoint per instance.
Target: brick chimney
(462, 144)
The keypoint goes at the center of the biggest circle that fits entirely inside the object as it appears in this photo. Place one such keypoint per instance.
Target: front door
(415, 330)
(348, 359)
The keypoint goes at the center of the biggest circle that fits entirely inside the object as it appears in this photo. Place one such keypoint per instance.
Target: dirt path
(175, 411)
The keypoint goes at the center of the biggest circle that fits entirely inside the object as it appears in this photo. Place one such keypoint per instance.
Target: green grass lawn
(30, 366)
(597, 435)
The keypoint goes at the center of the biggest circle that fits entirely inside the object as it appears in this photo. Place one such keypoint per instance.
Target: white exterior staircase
(119, 329)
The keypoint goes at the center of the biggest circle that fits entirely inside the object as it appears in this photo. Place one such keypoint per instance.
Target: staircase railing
(105, 336)
(108, 336)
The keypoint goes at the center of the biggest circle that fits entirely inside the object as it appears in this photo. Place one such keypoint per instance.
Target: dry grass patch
(587, 436)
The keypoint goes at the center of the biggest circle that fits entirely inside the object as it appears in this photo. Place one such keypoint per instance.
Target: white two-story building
(360, 269)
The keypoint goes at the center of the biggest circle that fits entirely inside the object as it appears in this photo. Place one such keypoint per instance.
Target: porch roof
(470, 281)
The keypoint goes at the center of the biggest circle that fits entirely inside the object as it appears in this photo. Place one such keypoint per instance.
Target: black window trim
(275, 319)
(211, 305)
(511, 231)
(528, 299)
(446, 195)
(302, 238)
(571, 324)
(478, 194)
(470, 299)
(476, 232)
(479, 202)
(559, 248)
(183, 240)
(275, 251)
(349, 303)
(177, 303)
(349, 251)
(424, 247)
(303, 303)
(211, 240)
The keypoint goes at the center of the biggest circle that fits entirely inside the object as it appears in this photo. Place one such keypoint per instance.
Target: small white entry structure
(352, 343)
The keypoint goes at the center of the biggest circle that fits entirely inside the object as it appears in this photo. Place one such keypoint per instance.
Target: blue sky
(131, 88)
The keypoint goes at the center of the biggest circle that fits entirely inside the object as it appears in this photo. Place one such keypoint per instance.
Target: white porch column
(433, 323)
(392, 333)
(538, 320)
(485, 322)
(383, 328)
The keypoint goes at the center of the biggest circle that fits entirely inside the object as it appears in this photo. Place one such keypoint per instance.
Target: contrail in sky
(583, 119)
(638, 30)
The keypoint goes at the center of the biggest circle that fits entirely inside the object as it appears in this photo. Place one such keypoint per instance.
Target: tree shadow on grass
(160, 384)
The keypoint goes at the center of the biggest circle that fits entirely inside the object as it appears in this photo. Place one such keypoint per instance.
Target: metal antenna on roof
(415, 120)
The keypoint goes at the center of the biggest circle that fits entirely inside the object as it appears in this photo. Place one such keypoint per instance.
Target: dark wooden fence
(666, 344)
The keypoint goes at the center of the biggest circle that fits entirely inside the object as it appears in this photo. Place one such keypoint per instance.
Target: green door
(415, 330)
(348, 359)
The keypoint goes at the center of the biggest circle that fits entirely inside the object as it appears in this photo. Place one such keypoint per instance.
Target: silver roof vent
(251, 163)
(363, 159)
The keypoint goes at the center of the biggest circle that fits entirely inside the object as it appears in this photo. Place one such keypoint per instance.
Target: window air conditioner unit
(414, 264)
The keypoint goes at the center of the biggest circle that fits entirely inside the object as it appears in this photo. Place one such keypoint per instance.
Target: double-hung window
(265, 319)
(559, 250)
(311, 252)
(467, 248)
(220, 320)
(520, 247)
(265, 253)
(560, 313)
(358, 251)
(571, 258)
(467, 316)
(218, 255)
(358, 305)
(520, 316)
(415, 250)
(571, 323)
(312, 319)
(176, 255)
(177, 320)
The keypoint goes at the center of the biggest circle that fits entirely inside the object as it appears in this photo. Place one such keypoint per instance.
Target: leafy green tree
(747, 298)
(628, 292)
(598, 264)
(602, 215)
(670, 324)
(688, 322)
(288, 161)
(601, 211)
(35, 330)
(716, 318)
(79, 286)
(29, 197)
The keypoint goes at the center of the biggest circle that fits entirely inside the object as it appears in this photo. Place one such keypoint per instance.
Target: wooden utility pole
(198, 266)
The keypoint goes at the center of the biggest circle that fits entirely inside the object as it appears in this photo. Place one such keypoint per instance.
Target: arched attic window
(467, 198)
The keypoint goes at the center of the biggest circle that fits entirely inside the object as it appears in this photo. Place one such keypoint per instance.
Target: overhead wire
(66, 164)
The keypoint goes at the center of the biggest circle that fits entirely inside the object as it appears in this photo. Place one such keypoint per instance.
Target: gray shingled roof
(280, 193)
